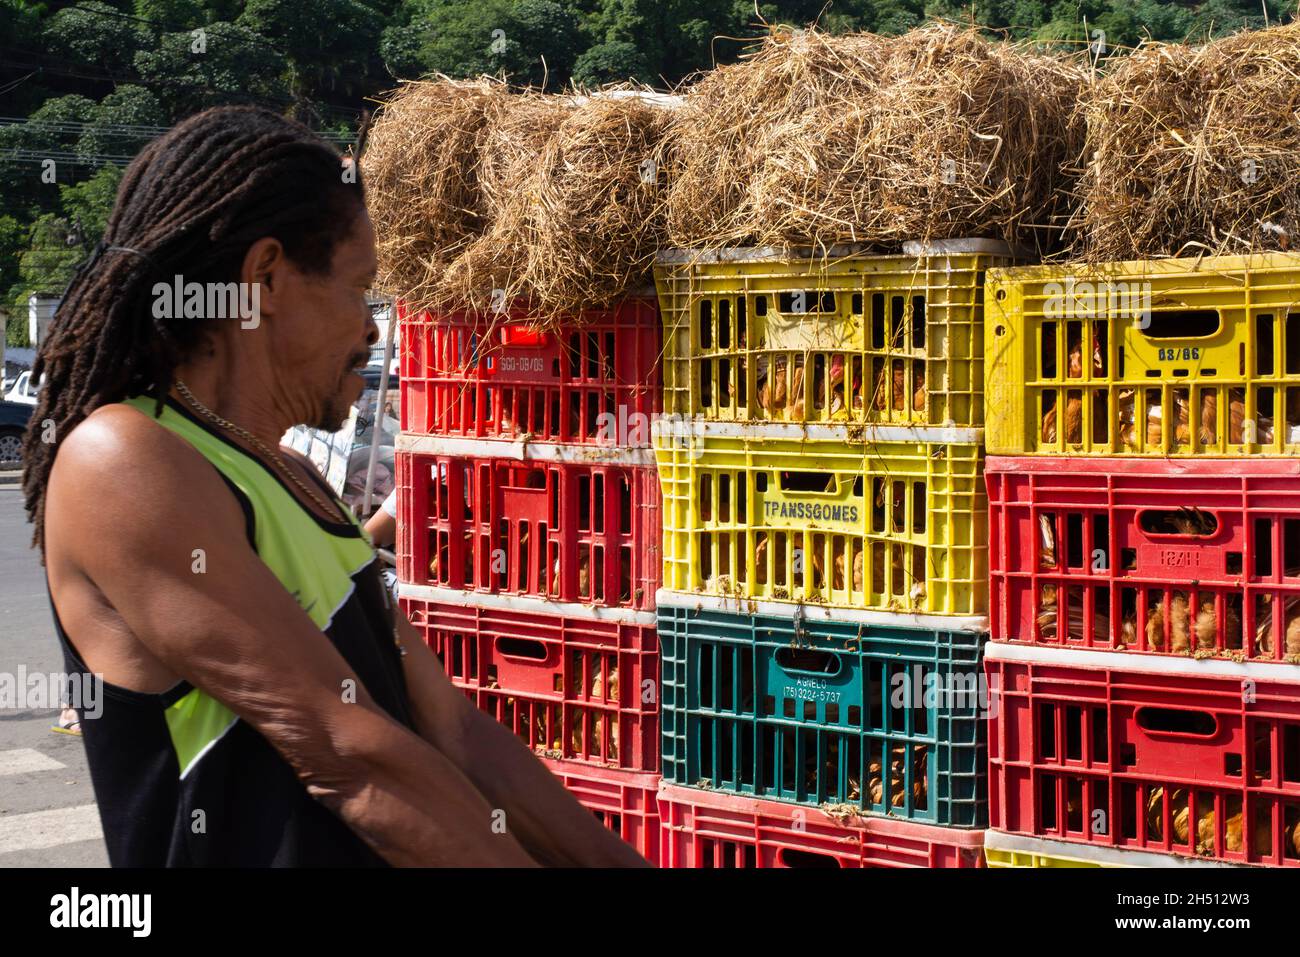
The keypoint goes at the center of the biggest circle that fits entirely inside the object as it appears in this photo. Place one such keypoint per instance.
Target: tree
(115, 123)
(218, 63)
(674, 37)
(328, 44)
(89, 203)
(168, 16)
(59, 241)
(610, 63)
(97, 34)
(529, 40)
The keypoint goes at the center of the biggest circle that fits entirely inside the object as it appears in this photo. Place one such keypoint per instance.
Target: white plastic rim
(1137, 662)
(524, 450)
(528, 604)
(966, 247)
(667, 598)
(1091, 853)
(696, 427)
(911, 249)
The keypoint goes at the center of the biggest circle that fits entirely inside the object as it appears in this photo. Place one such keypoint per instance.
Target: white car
(22, 391)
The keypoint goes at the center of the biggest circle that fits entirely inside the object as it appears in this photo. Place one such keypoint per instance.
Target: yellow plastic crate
(890, 526)
(1172, 357)
(997, 858)
(1002, 849)
(756, 335)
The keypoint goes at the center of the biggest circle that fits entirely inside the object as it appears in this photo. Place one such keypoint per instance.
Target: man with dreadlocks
(264, 704)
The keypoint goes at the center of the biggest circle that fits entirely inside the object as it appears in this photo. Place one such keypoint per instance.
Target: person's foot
(69, 723)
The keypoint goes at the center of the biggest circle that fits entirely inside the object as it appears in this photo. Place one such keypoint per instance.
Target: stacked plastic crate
(1143, 422)
(825, 598)
(528, 536)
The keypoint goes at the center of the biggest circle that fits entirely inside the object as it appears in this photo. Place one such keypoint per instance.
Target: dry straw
(595, 215)
(421, 167)
(1195, 149)
(816, 140)
(518, 130)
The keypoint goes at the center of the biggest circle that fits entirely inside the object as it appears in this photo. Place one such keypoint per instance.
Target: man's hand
(554, 827)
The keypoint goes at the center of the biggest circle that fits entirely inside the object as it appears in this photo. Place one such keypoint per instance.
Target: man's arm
(541, 814)
(128, 504)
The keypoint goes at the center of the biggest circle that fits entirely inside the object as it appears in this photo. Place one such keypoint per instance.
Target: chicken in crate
(1194, 357)
(572, 687)
(856, 713)
(1195, 759)
(593, 381)
(842, 335)
(707, 829)
(579, 528)
(821, 515)
(1197, 558)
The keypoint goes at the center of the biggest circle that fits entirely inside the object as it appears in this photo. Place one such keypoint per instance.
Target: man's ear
(264, 264)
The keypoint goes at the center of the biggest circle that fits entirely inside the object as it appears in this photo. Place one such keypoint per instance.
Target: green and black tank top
(179, 779)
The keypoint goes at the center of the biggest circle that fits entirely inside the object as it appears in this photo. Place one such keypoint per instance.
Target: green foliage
(170, 15)
(20, 23)
(13, 239)
(127, 106)
(493, 36)
(611, 62)
(96, 34)
(89, 203)
(46, 265)
(44, 258)
(328, 44)
(221, 63)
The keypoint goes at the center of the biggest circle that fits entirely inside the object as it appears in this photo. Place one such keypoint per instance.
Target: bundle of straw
(739, 137)
(577, 207)
(816, 140)
(1195, 149)
(972, 137)
(421, 168)
(596, 206)
(489, 273)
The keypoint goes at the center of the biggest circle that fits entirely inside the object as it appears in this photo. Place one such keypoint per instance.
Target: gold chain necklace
(275, 458)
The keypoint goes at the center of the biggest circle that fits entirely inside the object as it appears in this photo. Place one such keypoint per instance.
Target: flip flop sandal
(72, 727)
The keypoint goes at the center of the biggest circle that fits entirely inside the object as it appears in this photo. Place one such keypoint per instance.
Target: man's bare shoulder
(120, 457)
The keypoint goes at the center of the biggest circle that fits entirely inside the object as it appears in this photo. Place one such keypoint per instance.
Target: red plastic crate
(624, 801)
(1189, 557)
(569, 686)
(567, 531)
(596, 382)
(710, 829)
(1196, 759)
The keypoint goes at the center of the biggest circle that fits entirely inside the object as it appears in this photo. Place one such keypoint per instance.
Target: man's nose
(372, 328)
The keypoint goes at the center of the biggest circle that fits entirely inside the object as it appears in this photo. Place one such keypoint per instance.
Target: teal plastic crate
(824, 712)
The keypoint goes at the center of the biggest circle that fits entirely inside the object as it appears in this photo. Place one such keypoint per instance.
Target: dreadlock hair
(190, 204)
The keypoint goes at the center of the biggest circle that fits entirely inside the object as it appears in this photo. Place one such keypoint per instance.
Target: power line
(79, 126)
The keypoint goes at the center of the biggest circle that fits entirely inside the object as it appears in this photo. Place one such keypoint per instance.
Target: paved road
(47, 808)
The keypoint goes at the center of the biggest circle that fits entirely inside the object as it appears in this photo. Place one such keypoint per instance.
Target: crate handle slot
(815, 482)
(794, 857)
(1183, 522)
(524, 649)
(809, 661)
(1175, 722)
(801, 302)
(1183, 324)
(516, 335)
